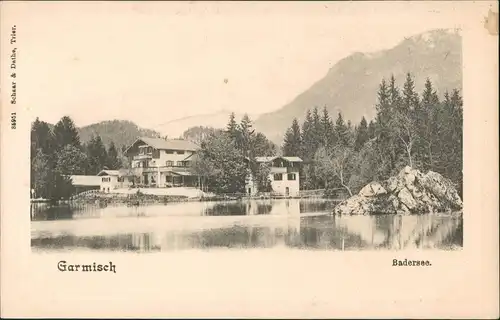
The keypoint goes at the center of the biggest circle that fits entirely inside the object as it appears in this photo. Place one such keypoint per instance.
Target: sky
(154, 62)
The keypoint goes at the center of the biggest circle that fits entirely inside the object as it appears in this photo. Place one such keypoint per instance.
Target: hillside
(217, 120)
(351, 85)
(121, 132)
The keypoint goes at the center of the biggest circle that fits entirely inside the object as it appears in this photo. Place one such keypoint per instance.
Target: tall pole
(159, 177)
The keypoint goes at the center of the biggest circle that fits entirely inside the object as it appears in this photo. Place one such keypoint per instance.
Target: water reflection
(298, 224)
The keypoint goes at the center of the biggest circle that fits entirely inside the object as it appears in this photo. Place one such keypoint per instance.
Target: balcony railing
(141, 170)
(143, 156)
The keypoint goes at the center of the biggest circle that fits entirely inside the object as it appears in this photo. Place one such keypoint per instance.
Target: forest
(57, 153)
(225, 156)
(422, 131)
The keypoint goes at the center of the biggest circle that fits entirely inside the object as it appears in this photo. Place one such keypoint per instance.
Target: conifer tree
(371, 129)
(113, 161)
(292, 145)
(410, 97)
(388, 99)
(65, 133)
(96, 155)
(308, 137)
(317, 131)
(260, 146)
(341, 131)
(426, 122)
(245, 134)
(41, 138)
(362, 134)
(327, 130)
(232, 127)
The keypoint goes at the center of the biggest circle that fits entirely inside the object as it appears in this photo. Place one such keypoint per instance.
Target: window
(291, 176)
(180, 151)
(180, 164)
(169, 163)
(169, 151)
(120, 179)
(187, 163)
(106, 179)
(278, 176)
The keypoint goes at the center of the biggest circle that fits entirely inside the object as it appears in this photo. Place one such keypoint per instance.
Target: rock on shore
(410, 192)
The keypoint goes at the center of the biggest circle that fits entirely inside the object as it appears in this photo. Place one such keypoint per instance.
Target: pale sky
(154, 62)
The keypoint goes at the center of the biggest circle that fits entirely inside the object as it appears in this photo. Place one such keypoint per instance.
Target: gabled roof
(81, 180)
(269, 159)
(170, 144)
(292, 159)
(191, 157)
(108, 173)
(265, 159)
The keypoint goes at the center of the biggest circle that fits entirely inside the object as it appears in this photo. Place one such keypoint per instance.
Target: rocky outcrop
(410, 192)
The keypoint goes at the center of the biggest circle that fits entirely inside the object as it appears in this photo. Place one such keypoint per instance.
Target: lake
(286, 223)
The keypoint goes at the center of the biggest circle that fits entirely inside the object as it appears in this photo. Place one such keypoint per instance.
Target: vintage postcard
(249, 159)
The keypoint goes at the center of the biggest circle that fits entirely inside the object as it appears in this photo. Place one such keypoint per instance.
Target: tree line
(225, 156)
(422, 131)
(57, 153)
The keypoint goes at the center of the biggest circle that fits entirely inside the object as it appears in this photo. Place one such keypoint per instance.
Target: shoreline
(139, 199)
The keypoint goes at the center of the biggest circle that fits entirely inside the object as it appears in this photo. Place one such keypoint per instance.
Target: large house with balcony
(157, 162)
(284, 176)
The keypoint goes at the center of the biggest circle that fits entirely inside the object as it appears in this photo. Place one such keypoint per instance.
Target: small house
(109, 180)
(83, 183)
(284, 176)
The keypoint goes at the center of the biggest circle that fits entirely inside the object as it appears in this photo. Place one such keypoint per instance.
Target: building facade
(157, 162)
(111, 179)
(284, 176)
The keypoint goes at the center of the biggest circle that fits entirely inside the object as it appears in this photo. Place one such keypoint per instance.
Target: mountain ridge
(218, 120)
(350, 85)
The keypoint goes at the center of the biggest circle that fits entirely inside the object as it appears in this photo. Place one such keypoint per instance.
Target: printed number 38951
(13, 120)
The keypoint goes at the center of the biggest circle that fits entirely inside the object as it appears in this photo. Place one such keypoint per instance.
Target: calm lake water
(296, 224)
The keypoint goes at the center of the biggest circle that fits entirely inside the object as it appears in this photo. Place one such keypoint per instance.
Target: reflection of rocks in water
(446, 233)
(365, 227)
(388, 232)
(424, 232)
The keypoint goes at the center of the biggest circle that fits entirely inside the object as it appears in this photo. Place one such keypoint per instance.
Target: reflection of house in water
(289, 207)
(280, 223)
